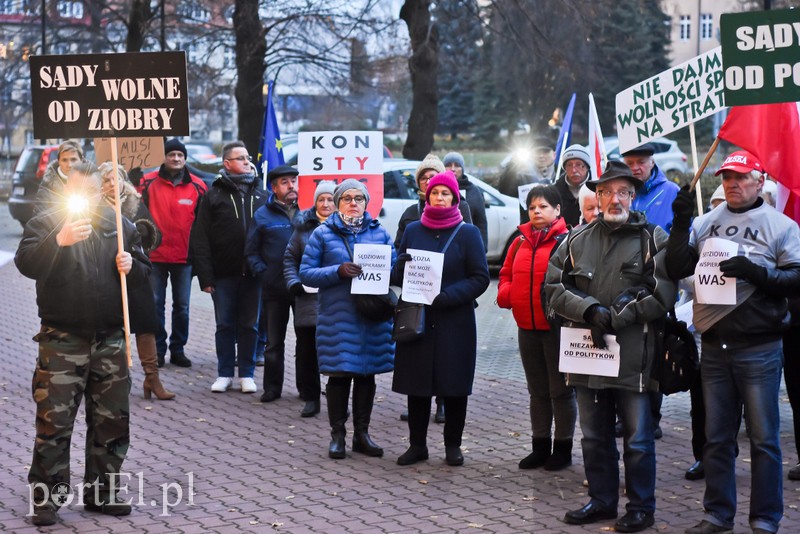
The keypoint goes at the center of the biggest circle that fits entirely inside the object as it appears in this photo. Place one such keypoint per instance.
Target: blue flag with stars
(270, 149)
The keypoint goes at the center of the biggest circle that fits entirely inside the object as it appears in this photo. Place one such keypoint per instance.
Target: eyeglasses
(623, 194)
(357, 199)
(241, 159)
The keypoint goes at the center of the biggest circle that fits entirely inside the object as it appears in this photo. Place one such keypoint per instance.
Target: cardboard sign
(422, 276)
(376, 264)
(522, 192)
(761, 54)
(110, 95)
(670, 100)
(710, 287)
(337, 156)
(577, 355)
(142, 152)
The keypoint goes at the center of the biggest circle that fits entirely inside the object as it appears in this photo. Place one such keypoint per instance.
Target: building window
(194, 12)
(18, 7)
(706, 26)
(686, 27)
(70, 9)
(228, 57)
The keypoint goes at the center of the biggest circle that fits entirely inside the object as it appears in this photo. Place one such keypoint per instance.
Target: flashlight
(77, 204)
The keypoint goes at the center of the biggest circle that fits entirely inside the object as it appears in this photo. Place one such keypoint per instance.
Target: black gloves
(348, 270)
(741, 267)
(599, 318)
(404, 257)
(296, 290)
(683, 208)
(630, 295)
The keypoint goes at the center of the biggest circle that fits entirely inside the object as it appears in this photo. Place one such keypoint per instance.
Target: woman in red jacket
(520, 289)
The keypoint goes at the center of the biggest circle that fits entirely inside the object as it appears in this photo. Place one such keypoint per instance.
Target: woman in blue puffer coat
(349, 347)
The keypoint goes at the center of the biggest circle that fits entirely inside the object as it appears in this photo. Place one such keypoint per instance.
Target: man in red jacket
(172, 195)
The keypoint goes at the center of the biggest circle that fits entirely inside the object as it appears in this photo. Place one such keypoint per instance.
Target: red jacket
(173, 208)
(523, 274)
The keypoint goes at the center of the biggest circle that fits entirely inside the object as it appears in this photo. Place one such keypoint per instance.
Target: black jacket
(570, 206)
(477, 208)
(78, 287)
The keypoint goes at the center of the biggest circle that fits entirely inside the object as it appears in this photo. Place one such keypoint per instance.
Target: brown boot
(146, 347)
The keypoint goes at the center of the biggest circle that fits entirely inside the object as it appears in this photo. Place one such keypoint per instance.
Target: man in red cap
(741, 342)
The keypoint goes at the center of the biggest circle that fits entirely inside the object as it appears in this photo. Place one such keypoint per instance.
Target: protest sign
(710, 287)
(578, 355)
(522, 192)
(132, 152)
(376, 264)
(422, 276)
(670, 100)
(337, 156)
(761, 54)
(110, 95)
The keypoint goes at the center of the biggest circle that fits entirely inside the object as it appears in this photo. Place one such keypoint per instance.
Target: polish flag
(597, 149)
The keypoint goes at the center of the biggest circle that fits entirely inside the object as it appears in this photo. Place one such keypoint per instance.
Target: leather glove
(348, 270)
(629, 295)
(599, 318)
(296, 290)
(683, 208)
(404, 257)
(741, 267)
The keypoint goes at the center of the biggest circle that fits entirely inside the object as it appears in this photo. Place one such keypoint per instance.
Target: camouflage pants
(70, 367)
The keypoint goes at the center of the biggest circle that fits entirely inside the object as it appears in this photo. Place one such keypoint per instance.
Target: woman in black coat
(141, 301)
(442, 361)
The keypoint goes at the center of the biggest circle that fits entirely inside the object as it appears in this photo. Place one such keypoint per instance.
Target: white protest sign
(685, 312)
(422, 276)
(670, 100)
(710, 287)
(578, 355)
(376, 263)
(523, 191)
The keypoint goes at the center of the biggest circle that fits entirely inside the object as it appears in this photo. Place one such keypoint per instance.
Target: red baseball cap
(740, 161)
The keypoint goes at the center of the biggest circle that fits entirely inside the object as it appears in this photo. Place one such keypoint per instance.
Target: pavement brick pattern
(261, 468)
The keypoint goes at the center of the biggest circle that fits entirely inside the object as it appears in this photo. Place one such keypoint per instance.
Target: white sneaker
(248, 385)
(222, 384)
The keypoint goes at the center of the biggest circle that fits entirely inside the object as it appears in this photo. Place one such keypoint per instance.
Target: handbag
(409, 317)
(678, 364)
(377, 308)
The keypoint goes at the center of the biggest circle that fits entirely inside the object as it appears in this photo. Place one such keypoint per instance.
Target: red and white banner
(597, 148)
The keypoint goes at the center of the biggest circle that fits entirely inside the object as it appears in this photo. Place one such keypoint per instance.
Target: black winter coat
(570, 207)
(477, 208)
(305, 304)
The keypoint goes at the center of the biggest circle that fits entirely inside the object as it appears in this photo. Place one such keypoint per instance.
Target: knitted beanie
(432, 162)
(454, 157)
(325, 186)
(346, 185)
(173, 145)
(448, 179)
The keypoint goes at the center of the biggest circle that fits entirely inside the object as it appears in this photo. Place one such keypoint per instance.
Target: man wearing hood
(576, 173)
(217, 243)
(474, 196)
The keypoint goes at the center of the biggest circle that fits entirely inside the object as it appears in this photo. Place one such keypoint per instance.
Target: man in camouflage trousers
(71, 252)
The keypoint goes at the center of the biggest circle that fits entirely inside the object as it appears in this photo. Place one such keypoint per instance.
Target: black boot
(439, 415)
(561, 457)
(538, 456)
(363, 397)
(338, 393)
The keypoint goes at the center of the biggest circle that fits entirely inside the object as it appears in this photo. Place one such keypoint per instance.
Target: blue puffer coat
(346, 342)
(655, 199)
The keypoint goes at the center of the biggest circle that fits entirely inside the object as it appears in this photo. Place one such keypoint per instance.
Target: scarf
(61, 174)
(320, 218)
(440, 218)
(243, 182)
(353, 223)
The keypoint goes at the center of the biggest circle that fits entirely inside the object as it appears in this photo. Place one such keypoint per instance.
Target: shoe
(453, 456)
(438, 417)
(161, 360)
(221, 384)
(363, 443)
(794, 472)
(44, 515)
(248, 385)
(310, 409)
(707, 527)
(588, 514)
(634, 522)
(561, 457)
(404, 415)
(413, 455)
(115, 508)
(696, 471)
(269, 396)
(180, 360)
(658, 433)
(146, 347)
(260, 361)
(539, 455)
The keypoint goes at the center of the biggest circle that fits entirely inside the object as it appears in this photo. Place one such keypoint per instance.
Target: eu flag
(270, 149)
(565, 136)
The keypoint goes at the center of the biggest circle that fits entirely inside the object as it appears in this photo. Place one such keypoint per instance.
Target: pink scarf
(437, 218)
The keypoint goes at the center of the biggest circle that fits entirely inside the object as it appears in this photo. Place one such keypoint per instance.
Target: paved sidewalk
(261, 468)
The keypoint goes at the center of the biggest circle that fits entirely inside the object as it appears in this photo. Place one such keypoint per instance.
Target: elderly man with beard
(608, 276)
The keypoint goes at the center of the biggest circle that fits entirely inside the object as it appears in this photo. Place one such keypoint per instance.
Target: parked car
(669, 158)
(202, 154)
(400, 191)
(28, 173)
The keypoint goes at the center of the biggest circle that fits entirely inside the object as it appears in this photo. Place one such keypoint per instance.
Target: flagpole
(123, 282)
(694, 166)
(703, 166)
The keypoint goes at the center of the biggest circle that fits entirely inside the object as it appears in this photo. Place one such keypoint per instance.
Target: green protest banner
(761, 56)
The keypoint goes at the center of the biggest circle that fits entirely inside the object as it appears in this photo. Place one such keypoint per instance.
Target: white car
(400, 191)
(668, 156)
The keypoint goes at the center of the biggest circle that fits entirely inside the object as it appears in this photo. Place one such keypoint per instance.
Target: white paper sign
(308, 289)
(710, 287)
(376, 264)
(577, 355)
(685, 312)
(422, 276)
(523, 191)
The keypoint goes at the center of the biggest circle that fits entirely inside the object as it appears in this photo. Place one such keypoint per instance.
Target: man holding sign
(608, 275)
(742, 348)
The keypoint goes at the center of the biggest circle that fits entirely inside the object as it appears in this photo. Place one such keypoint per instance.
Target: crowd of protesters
(605, 253)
